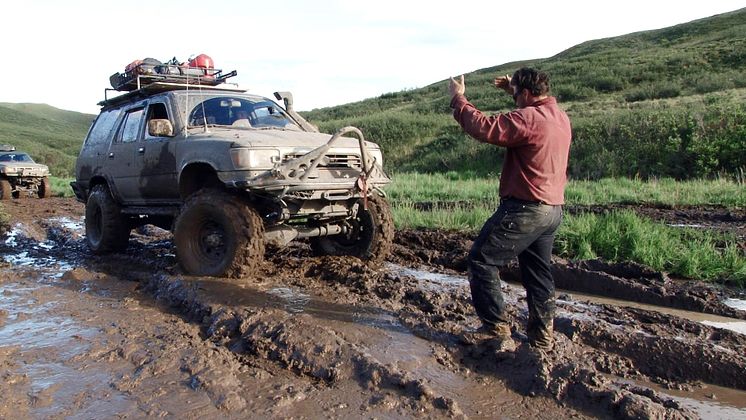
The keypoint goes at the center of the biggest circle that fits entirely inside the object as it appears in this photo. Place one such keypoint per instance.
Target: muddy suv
(228, 172)
(20, 175)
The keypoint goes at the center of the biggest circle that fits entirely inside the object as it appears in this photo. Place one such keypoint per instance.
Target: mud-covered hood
(280, 138)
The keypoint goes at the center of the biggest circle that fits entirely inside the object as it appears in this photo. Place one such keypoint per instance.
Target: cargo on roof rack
(199, 70)
(149, 76)
(143, 75)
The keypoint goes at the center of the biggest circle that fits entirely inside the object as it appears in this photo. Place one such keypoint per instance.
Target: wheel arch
(96, 180)
(196, 176)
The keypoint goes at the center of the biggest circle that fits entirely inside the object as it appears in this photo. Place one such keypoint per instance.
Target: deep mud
(130, 335)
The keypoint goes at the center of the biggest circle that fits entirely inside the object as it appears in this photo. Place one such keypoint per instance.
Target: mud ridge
(299, 345)
(447, 250)
(322, 321)
(440, 316)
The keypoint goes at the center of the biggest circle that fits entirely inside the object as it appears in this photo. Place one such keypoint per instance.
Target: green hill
(667, 102)
(51, 136)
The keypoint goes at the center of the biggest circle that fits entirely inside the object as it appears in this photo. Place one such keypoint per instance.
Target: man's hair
(536, 82)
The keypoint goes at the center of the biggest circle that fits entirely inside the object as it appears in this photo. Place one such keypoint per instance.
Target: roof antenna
(199, 86)
(186, 102)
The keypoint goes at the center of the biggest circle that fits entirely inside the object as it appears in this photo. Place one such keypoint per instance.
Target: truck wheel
(370, 239)
(217, 234)
(45, 188)
(6, 191)
(106, 230)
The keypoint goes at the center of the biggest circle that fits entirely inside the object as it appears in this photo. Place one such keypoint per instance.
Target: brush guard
(299, 169)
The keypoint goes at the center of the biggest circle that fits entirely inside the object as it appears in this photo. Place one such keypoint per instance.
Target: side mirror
(287, 98)
(160, 128)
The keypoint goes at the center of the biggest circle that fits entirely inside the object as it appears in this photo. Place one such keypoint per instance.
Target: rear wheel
(217, 234)
(370, 238)
(6, 190)
(106, 230)
(45, 188)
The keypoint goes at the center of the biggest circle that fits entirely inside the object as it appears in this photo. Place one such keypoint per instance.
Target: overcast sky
(326, 52)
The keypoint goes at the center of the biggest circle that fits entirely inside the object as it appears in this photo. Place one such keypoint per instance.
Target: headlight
(377, 155)
(254, 158)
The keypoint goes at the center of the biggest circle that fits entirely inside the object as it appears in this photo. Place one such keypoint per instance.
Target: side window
(156, 111)
(130, 129)
(102, 128)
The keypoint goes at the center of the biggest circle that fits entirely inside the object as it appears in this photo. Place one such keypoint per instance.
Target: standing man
(532, 186)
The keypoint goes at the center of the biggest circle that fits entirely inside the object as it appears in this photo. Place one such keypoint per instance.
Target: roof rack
(158, 87)
(143, 75)
(149, 77)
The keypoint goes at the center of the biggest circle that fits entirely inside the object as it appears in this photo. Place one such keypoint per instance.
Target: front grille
(331, 160)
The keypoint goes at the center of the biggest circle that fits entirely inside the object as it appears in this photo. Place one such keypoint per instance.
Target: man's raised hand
(503, 82)
(456, 87)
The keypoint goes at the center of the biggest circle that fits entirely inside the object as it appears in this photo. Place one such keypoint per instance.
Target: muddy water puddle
(739, 304)
(300, 324)
(435, 280)
(45, 342)
(708, 401)
(293, 300)
(377, 335)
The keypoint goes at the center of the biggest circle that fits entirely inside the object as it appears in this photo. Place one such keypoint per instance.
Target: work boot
(541, 336)
(496, 336)
(540, 328)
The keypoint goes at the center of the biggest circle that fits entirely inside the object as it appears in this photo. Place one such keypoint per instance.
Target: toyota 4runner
(228, 172)
(20, 175)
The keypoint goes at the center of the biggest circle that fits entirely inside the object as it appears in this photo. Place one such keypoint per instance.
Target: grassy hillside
(51, 136)
(667, 102)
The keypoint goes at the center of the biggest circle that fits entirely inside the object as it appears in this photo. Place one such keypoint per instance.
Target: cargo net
(140, 73)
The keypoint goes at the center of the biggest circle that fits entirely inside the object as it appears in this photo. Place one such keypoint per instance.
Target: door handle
(141, 150)
(111, 155)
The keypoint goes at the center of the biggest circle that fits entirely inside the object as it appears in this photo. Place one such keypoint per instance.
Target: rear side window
(102, 127)
(131, 126)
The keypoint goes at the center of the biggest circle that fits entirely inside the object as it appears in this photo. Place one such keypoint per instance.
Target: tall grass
(465, 187)
(463, 202)
(61, 187)
(456, 217)
(623, 236)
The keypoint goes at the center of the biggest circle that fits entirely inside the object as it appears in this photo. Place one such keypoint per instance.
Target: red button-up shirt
(537, 138)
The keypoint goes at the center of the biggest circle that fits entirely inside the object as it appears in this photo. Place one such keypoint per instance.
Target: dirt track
(130, 335)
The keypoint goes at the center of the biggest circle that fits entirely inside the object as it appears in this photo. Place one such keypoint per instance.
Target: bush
(572, 92)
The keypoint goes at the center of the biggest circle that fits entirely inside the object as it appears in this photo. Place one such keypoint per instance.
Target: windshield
(237, 111)
(16, 157)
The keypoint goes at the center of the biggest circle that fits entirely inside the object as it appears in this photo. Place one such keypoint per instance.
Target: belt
(519, 200)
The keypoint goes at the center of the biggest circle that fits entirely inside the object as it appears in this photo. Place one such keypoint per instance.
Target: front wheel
(106, 230)
(217, 234)
(6, 190)
(45, 188)
(370, 238)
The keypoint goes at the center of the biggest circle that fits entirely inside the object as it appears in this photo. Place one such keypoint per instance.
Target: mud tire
(45, 188)
(370, 241)
(217, 234)
(6, 190)
(106, 230)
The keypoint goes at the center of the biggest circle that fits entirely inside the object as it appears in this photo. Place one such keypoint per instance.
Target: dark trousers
(526, 230)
